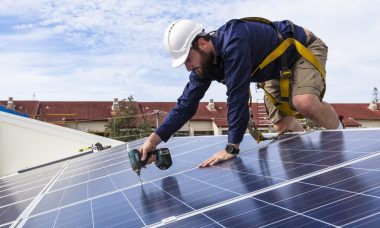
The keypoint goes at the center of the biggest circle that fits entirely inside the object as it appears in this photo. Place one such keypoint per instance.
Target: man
(229, 55)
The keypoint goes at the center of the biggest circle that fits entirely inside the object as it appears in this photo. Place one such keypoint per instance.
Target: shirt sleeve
(186, 107)
(238, 64)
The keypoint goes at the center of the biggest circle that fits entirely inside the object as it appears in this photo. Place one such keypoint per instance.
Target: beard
(206, 66)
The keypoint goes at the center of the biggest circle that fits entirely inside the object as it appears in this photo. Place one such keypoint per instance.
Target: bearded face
(206, 63)
(200, 61)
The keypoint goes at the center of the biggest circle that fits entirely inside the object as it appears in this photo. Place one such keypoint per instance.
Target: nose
(189, 66)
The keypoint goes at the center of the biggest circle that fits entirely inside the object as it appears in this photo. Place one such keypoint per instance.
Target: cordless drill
(163, 159)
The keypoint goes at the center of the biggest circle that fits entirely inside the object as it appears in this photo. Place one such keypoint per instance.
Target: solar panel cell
(194, 221)
(312, 199)
(20, 196)
(192, 192)
(297, 221)
(153, 204)
(248, 213)
(369, 221)
(48, 202)
(44, 220)
(79, 215)
(100, 186)
(114, 210)
(347, 210)
(359, 183)
(11, 212)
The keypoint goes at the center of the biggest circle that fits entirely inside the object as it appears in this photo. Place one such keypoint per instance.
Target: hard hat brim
(177, 62)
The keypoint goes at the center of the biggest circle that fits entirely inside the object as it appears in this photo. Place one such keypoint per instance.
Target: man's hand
(150, 145)
(216, 158)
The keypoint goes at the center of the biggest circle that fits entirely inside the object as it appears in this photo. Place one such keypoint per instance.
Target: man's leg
(281, 122)
(308, 88)
(310, 106)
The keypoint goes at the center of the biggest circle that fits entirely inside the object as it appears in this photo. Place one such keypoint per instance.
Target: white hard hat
(178, 38)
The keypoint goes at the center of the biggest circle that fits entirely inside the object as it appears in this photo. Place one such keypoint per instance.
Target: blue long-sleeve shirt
(240, 47)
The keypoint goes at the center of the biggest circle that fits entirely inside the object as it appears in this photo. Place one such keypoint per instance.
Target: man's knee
(306, 104)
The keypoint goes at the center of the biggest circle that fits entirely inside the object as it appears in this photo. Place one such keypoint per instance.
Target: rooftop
(101, 110)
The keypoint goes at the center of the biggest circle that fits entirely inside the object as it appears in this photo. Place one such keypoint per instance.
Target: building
(210, 118)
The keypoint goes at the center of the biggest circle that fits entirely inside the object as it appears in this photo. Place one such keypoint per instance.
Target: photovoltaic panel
(18, 191)
(336, 198)
(81, 189)
(309, 179)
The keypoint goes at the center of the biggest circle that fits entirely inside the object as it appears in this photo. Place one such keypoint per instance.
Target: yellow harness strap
(283, 105)
(286, 74)
(302, 50)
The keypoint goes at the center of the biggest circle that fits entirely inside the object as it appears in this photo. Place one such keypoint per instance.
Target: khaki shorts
(306, 79)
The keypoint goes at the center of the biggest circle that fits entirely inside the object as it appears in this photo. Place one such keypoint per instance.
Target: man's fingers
(215, 161)
(208, 162)
(151, 159)
(203, 164)
(143, 154)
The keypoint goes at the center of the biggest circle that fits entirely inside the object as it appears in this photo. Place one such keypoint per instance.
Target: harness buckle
(283, 100)
(286, 73)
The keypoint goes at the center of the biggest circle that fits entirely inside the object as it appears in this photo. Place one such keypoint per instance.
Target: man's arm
(237, 62)
(186, 107)
(237, 59)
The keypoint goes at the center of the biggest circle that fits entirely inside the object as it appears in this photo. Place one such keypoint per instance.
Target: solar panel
(17, 192)
(323, 178)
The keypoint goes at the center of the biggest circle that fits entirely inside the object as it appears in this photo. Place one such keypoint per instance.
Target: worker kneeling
(286, 60)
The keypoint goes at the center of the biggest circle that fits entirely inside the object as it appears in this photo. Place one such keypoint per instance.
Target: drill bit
(138, 174)
(140, 180)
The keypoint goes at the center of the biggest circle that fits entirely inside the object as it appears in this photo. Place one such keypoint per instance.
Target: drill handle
(148, 155)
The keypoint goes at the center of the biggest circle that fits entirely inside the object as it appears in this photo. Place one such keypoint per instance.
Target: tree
(124, 126)
(375, 98)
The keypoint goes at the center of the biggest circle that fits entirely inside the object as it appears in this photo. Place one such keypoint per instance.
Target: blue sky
(101, 49)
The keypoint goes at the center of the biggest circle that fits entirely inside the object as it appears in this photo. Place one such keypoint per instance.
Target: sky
(97, 50)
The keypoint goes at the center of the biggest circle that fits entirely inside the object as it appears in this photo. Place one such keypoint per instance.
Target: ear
(203, 44)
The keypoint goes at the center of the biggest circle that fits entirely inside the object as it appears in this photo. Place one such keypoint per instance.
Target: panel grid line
(186, 204)
(348, 197)
(126, 198)
(18, 186)
(92, 210)
(20, 201)
(101, 162)
(361, 219)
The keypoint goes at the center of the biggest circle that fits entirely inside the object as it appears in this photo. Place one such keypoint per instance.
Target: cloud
(97, 50)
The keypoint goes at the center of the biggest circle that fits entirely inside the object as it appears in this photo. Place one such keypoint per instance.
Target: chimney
(10, 103)
(211, 105)
(373, 106)
(115, 106)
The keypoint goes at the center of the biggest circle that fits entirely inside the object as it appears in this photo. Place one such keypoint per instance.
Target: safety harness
(286, 74)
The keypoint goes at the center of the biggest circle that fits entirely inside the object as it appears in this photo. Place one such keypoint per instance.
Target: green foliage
(124, 126)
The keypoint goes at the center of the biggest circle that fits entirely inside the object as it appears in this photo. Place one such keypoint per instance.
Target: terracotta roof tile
(357, 111)
(146, 111)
